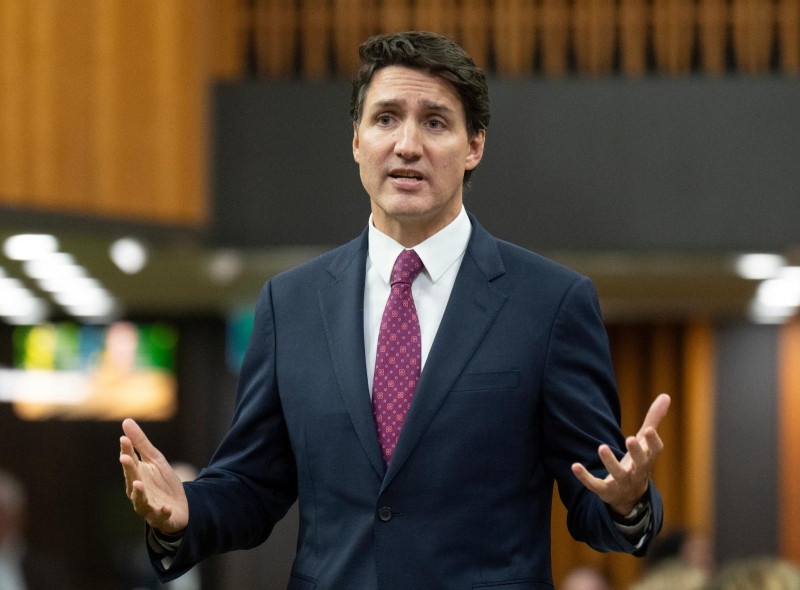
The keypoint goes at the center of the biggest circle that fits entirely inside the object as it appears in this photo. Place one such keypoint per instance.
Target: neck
(412, 231)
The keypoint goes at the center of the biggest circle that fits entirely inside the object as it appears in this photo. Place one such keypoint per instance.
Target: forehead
(411, 87)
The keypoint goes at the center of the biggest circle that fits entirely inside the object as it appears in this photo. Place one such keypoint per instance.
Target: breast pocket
(489, 381)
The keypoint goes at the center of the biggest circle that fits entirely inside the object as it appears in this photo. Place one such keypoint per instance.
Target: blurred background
(161, 159)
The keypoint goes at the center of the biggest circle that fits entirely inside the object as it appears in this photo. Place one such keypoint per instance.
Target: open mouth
(406, 175)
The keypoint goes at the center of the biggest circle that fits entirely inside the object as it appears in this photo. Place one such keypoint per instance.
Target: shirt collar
(438, 252)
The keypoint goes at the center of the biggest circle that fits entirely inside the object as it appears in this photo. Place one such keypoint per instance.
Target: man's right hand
(152, 485)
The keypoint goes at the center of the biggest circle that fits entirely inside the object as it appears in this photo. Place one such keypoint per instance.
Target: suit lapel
(473, 306)
(342, 306)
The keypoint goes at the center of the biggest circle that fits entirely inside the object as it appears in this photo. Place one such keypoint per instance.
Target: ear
(475, 152)
(355, 141)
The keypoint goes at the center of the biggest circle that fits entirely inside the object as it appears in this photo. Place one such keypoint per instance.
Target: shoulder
(519, 260)
(501, 259)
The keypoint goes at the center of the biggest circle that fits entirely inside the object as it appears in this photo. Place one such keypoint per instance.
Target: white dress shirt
(441, 255)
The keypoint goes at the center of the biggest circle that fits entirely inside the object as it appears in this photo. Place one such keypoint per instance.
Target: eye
(436, 124)
(384, 119)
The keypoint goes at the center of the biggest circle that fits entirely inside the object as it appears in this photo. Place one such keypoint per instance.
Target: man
(22, 566)
(418, 388)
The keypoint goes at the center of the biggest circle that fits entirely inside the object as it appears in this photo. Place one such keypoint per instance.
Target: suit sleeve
(580, 412)
(252, 479)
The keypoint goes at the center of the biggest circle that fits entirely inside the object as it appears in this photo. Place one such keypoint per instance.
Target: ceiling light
(129, 254)
(85, 292)
(766, 314)
(99, 308)
(790, 273)
(224, 266)
(759, 266)
(64, 278)
(29, 246)
(27, 312)
(779, 293)
(52, 265)
(18, 305)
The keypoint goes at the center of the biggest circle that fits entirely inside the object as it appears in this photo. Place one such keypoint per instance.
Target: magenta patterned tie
(397, 363)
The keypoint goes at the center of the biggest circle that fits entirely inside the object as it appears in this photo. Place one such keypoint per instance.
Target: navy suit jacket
(517, 386)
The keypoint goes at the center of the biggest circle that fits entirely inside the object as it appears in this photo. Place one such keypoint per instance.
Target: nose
(408, 141)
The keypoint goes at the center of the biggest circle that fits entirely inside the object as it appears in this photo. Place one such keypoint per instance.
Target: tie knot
(406, 268)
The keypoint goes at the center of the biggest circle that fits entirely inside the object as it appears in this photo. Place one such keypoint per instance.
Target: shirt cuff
(636, 533)
(163, 546)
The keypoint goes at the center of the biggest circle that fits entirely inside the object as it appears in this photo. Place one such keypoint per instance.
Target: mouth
(406, 175)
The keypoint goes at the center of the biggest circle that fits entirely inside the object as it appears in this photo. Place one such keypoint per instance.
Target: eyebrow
(428, 104)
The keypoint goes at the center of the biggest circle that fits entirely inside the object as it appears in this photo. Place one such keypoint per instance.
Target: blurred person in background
(12, 545)
(584, 578)
(22, 566)
(517, 391)
(757, 574)
(685, 546)
(672, 574)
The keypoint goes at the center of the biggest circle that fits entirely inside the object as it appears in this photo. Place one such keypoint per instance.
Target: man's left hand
(627, 479)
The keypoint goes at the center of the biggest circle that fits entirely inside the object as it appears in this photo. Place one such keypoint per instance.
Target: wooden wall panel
(42, 98)
(437, 16)
(594, 35)
(664, 378)
(789, 35)
(74, 124)
(128, 107)
(474, 23)
(712, 21)
(106, 107)
(276, 32)
(514, 37)
(789, 441)
(554, 34)
(673, 35)
(228, 28)
(14, 31)
(698, 428)
(395, 16)
(753, 33)
(353, 22)
(634, 23)
(181, 111)
(316, 35)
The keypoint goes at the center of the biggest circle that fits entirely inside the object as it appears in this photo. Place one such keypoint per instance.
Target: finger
(658, 409)
(129, 462)
(139, 499)
(591, 482)
(638, 455)
(654, 443)
(126, 448)
(611, 463)
(139, 440)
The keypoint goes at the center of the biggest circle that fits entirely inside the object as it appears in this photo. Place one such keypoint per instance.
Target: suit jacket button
(385, 514)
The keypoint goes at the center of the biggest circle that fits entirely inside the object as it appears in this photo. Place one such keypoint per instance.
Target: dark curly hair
(425, 51)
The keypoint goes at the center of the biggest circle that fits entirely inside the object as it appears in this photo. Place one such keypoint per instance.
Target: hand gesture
(151, 484)
(627, 480)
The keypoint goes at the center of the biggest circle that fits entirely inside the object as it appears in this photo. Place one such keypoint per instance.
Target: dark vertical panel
(746, 441)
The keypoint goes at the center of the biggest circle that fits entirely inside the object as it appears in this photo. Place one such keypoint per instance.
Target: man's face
(412, 149)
